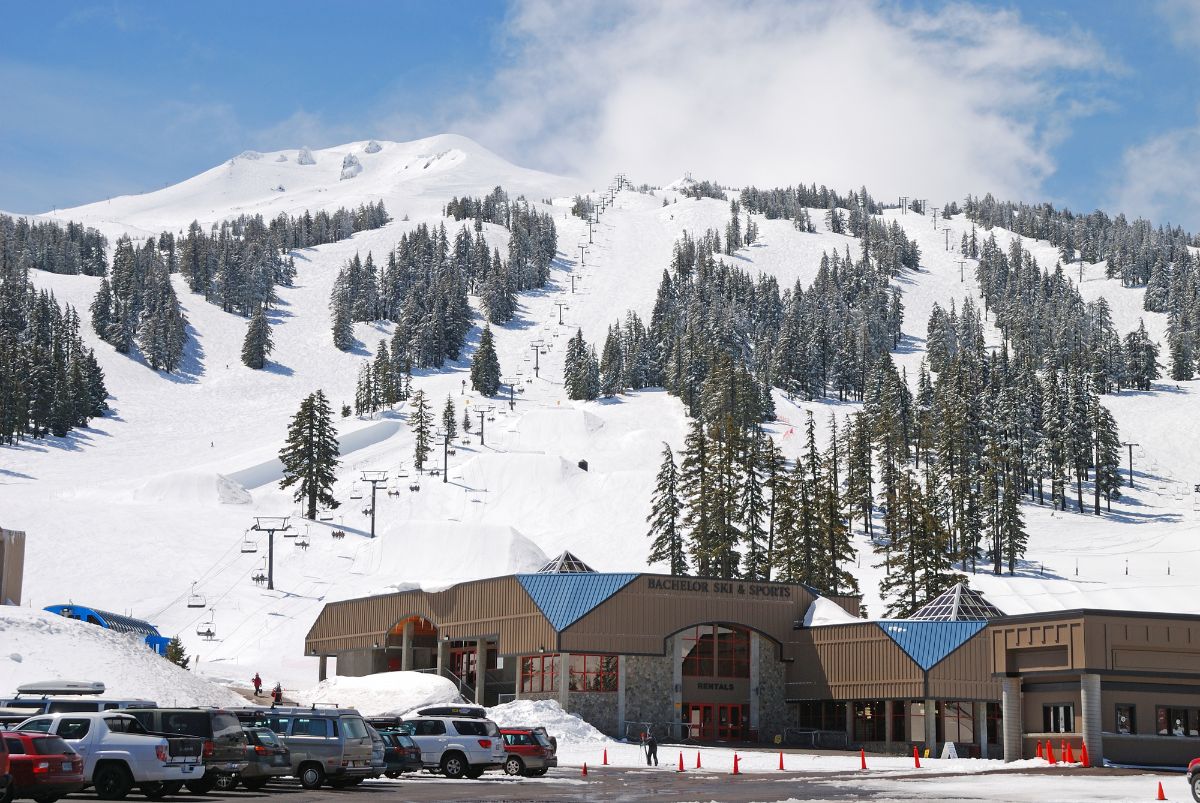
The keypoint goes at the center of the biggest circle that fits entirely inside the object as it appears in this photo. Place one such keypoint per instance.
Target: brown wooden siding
(638, 619)
(1029, 646)
(496, 608)
(852, 662)
(965, 674)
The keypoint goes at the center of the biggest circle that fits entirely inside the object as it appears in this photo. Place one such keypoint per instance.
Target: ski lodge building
(730, 660)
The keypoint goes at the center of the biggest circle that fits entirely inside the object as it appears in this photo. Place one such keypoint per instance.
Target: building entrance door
(462, 664)
(724, 722)
(699, 720)
(731, 722)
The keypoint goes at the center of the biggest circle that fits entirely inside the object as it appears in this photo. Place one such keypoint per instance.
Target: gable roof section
(565, 598)
(928, 642)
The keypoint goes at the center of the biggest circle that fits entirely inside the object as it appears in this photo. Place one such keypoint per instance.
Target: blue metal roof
(928, 642)
(565, 598)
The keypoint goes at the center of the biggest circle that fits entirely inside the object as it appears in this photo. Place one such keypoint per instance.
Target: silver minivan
(328, 745)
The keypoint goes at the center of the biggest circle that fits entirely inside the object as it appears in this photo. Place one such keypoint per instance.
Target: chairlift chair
(196, 600)
(249, 545)
(451, 451)
(466, 441)
(356, 491)
(325, 515)
(302, 543)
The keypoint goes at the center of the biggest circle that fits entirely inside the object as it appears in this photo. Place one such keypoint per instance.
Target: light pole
(536, 345)
(482, 412)
(374, 477)
(270, 525)
(1130, 444)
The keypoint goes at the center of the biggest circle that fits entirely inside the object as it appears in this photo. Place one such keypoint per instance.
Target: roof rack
(61, 688)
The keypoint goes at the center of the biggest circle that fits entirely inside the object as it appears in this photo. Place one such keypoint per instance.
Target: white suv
(457, 746)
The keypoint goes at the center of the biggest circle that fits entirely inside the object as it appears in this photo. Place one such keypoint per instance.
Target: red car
(43, 767)
(530, 751)
(5, 777)
(1193, 778)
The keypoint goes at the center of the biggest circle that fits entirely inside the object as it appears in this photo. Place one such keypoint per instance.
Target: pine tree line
(54, 248)
(50, 382)
(704, 189)
(532, 243)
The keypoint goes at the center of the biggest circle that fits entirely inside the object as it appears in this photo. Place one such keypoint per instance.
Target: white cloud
(1183, 20)
(936, 104)
(1161, 179)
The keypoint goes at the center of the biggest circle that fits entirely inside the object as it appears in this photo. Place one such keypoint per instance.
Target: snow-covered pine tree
(420, 421)
(449, 419)
(162, 332)
(386, 392)
(755, 454)
(466, 419)
(343, 324)
(257, 343)
(666, 527)
(611, 363)
(310, 455)
(696, 493)
(485, 366)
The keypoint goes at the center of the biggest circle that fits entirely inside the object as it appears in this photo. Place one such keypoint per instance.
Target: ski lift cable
(235, 556)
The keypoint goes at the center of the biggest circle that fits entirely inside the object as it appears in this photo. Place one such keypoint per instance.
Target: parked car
(267, 757)
(378, 749)
(400, 754)
(328, 745)
(224, 744)
(119, 753)
(43, 767)
(529, 751)
(5, 773)
(1193, 778)
(457, 746)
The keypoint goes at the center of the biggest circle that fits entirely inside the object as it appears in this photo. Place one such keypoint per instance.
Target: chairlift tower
(512, 384)
(561, 305)
(962, 263)
(582, 251)
(375, 478)
(1131, 444)
(445, 436)
(536, 345)
(271, 525)
(483, 411)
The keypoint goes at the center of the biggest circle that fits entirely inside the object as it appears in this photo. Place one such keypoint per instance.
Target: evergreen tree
(753, 506)
(466, 419)
(696, 493)
(611, 363)
(343, 324)
(257, 343)
(664, 519)
(485, 366)
(310, 456)
(420, 421)
(449, 421)
(176, 654)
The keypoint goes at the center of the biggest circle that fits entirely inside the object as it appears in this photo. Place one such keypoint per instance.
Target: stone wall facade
(772, 705)
(649, 687)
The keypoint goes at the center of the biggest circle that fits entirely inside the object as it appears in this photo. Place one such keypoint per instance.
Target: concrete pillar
(931, 727)
(443, 656)
(1089, 698)
(1010, 713)
(888, 733)
(406, 652)
(981, 729)
(755, 647)
(564, 679)
(480, 669)
(849, 722)
(322, 667)
(676, 647)
(621, 696)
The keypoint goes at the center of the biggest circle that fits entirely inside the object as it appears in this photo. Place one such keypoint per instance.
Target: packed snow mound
(373, 147)
(351, 167)
(38, 646)
(253, 156)
(827, 612)
(281, 157)
(382, 694)
(305, 157)
(567, 728)
(192, 487)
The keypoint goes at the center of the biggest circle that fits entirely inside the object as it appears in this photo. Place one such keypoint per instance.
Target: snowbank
(383, 693)
(351, 167)
(827, 612)
(37, 645)
(567, 728)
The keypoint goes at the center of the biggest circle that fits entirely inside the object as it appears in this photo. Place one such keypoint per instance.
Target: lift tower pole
(374, 477)
(271, 525)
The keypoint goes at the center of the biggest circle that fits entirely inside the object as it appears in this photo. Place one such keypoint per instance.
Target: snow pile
(373, 147)
(192, 487)
(305, 157)
(253, 156)
(827, 612)
(567, 728)
(40, 646)
(351, 167)
(281, 157)
(385, 693)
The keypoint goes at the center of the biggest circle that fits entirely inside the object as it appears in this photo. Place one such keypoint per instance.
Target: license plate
(67, 766)
(280, 760)
(188, 767)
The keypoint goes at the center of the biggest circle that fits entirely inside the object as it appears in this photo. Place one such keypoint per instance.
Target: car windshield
(51, 746)
(404, 740)
(225, 725)
(265, 737)
(125, 725)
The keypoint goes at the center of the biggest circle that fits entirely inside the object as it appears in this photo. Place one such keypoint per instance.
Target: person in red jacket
(257, 685)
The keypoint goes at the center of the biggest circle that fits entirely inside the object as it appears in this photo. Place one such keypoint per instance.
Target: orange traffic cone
(862, 757)
(781, 759)
(1039, 750)
(1050, 752)
(604, 761)
(1161, 796)
(680, 762)
(916, 758)
(736, 771)
(585, 769)
(1084, 755)
(1070, 754)
(697, 759)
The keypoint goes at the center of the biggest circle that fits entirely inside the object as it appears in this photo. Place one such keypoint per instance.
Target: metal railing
(814, 738)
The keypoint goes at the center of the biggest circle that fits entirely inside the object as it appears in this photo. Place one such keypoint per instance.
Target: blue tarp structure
(114, 621)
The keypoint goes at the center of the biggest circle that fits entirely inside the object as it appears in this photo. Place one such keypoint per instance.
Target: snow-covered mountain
(158, 496)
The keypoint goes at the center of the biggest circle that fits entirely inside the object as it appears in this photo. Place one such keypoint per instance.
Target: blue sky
(1084, 103)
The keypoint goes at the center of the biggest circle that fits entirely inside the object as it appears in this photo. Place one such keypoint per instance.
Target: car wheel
(514, 766)
(9, 793)
(1196, 788)
(454, 765)
(254, 784)
(153, 790)
(474, 773)
(45, 799)
(391, 774)
(112, 782)
(312, 776)
(226, 782)
(172, 787)
(536, 773)
(201, 786)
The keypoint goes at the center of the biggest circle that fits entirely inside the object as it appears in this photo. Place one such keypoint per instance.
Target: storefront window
(539, 673)
(899, 721)
(1126, 719)
(716, 651)
(958, 722)
(869, 722)
(995, 720)
(1058, 718)
(1178, 721)
(822, 715)
(593, 673)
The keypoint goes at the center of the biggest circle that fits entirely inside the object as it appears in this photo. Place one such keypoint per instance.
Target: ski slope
(159, 495)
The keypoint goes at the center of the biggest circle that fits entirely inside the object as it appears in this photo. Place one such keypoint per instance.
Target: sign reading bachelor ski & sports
(685, 585)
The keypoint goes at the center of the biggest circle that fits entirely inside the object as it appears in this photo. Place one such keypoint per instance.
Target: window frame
(1132, 708)
(1048, 716)
(593, 672)
(717, 650)
(534, 671)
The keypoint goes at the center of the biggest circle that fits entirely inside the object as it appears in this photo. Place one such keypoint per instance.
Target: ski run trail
(158, 496)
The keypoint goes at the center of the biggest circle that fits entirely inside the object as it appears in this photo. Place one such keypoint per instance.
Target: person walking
(257, 685)
(650, 745)
(277, 694)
